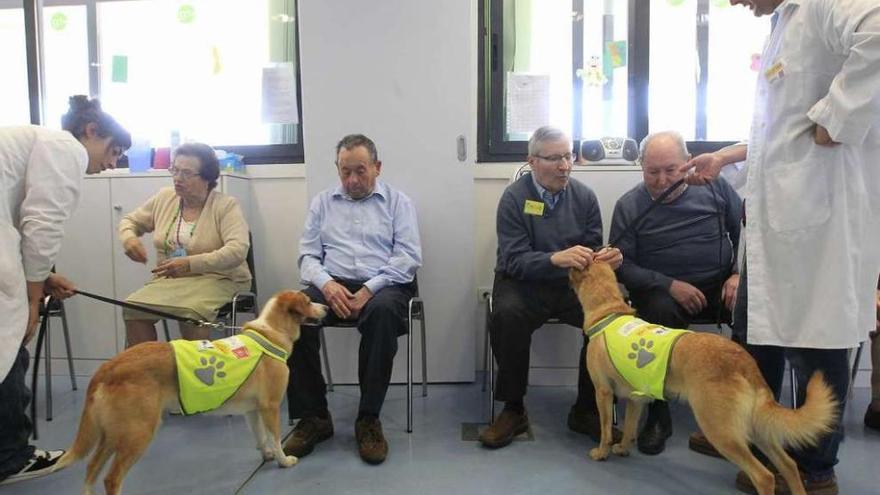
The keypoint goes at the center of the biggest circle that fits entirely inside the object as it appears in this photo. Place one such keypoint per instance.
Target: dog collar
(604, 322)
(269, 347)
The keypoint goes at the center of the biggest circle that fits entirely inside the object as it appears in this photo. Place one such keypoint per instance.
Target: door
(402, 73)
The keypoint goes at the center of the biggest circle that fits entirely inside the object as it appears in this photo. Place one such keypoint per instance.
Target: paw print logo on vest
(211, 369)
(642, 353)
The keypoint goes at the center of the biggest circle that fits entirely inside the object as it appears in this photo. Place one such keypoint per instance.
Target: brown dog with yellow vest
(128, 394)
(720, 380)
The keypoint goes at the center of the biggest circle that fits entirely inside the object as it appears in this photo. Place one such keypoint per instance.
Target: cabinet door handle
(117, 207)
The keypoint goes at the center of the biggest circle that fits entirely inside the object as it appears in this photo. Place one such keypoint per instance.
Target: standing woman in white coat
(812, 201)
(40, 175)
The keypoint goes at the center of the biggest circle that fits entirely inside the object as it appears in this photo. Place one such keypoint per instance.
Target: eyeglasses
(556, 158)
(182, 173)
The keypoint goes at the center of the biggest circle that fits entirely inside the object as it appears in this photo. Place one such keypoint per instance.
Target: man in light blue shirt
(358, 255)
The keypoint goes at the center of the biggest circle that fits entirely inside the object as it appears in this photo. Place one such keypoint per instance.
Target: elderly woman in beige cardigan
(201, 241)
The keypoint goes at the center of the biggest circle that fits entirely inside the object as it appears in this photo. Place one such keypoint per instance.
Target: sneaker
(587, 423)
(658, 427)
(371, 442)
(826, 485)
(505, 428)
(699, 443)
(41, 463)
(307, 433)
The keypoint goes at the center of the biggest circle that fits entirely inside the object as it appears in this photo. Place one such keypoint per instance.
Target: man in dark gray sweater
(546, 225)
(679, 260)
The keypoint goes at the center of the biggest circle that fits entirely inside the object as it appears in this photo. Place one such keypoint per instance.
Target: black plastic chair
(416, 311)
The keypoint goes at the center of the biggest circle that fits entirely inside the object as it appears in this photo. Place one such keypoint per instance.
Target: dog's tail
(801, 427)
(86, 437)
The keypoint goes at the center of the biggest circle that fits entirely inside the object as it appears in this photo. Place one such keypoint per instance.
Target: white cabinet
(92, 257)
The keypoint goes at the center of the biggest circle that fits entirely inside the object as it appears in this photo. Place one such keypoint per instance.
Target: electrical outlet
(483, 293)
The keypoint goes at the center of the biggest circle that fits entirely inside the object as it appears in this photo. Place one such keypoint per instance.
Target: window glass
(733, 44)
(604, 72)
(200, 73)
(537, 62)
(65, 59)
(736, 41)
(13, 59)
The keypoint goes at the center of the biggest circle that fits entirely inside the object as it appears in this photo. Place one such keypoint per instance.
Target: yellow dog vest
(639, 351)
(209, 373)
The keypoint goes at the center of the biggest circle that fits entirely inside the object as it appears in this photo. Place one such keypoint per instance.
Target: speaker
(610, 148)
(592, 151)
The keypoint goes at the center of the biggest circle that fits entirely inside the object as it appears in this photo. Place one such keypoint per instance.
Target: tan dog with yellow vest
(128, 394)
(720, 380)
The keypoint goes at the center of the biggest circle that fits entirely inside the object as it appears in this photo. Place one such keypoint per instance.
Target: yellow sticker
(534, 207)
(774, 72)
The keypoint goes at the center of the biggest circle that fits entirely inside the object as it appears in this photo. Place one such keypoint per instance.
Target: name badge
(178, 253)
(774, 73)
(534, 208)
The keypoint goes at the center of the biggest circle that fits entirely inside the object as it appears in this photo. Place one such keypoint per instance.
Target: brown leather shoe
(371, 442)
(506, 426)
(307, 433)
(699, 443)
(826, 486)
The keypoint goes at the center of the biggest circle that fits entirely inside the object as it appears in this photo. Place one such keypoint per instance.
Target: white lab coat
(40, 177)
(813, 212)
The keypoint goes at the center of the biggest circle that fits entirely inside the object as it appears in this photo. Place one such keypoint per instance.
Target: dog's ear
(294, 303)
(302, 305)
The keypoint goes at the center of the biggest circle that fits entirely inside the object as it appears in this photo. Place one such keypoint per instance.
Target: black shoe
(308, 433)
(587, 423)
(658, 427)
(41, 463)
(872, 418)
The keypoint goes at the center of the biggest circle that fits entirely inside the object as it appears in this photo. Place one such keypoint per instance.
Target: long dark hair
(83, 111)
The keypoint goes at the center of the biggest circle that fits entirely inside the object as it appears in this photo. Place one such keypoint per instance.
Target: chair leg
(67, 344)
(326, 360)
(424, 355)
(167, 333)
(491, 385)
(48, 367)
(409, 381)
(486, 352)
(855, 368)
(44, 320)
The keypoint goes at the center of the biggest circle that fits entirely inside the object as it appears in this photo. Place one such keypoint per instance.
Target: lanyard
(178, 218)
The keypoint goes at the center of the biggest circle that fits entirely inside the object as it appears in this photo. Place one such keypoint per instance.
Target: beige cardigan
(219, 244)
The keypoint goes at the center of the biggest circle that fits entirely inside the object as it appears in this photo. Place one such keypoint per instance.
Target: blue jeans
(15, 424)
(816, 462)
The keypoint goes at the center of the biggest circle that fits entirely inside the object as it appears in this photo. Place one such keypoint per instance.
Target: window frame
(253, 154)
(492, 147)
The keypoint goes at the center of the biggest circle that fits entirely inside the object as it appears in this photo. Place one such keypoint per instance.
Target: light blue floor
(214, 455)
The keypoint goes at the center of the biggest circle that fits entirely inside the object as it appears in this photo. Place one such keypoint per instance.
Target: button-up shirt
(374, 239)
(549, 198)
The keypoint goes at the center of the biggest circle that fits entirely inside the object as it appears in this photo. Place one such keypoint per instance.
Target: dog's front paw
(268, 455)
(620, 450)
(287, 461)
(599, 454)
